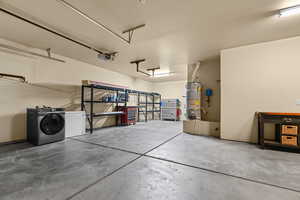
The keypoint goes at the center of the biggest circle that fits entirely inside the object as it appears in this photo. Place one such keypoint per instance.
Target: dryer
(45, 125)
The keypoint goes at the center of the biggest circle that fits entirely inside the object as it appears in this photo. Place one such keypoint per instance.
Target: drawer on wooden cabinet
(289, 129)
(289, 140)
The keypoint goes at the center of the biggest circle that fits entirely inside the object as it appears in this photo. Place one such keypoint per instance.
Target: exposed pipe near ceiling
(101, 25)
(16, 53)
(195, 71)
(30, 53)
(22, 78)
(50, 30)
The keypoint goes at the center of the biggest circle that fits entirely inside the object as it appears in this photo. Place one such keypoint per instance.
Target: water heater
(193, 101)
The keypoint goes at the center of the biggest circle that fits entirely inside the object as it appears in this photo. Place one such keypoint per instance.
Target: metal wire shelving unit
(148, 103)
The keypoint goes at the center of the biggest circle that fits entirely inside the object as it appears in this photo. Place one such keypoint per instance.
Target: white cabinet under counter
(75, 123)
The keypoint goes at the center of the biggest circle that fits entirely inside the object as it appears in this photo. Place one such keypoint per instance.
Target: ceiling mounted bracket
(131, 31)
(137, 62)
(49, 52)
(50, 57)
(101, 25)
(153, 70)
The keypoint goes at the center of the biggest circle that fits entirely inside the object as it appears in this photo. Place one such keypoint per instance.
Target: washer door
(52, 124)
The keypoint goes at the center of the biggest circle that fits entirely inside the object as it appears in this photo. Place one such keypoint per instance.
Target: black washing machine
(45, 125)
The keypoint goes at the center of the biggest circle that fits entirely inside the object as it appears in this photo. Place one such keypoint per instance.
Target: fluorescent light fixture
(160, 75)
(289, 11)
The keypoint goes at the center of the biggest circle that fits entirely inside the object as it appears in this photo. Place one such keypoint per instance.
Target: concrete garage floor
(147, 161)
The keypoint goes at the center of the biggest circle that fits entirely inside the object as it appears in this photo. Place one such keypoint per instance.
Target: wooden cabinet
(286, 135)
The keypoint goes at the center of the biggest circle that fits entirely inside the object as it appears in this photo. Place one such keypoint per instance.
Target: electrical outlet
(298, 102)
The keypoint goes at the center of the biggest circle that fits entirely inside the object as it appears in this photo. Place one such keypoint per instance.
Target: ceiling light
(289, 11)
(160, 75)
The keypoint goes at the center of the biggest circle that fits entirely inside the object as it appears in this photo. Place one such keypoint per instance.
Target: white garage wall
(55, 84)
(262, 77)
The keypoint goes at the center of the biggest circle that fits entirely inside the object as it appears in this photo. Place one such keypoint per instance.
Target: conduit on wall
(21, 78)
(31, 53)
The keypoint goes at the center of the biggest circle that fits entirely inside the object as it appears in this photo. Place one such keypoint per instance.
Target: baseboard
(12, 142)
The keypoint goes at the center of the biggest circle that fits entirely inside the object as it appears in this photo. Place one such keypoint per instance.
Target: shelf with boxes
(170, 109)
(149, 104)
(119, 97)
(287, 135)
(111, 94)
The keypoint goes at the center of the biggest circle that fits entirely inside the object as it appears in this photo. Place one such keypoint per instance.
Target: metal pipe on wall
(16, 53)
(30, 53)
(13, 76)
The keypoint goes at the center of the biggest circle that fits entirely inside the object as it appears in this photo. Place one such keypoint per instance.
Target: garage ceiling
(176, 32)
